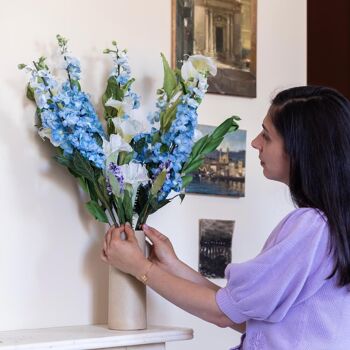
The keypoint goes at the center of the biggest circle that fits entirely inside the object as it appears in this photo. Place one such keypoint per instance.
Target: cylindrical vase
(127, 297)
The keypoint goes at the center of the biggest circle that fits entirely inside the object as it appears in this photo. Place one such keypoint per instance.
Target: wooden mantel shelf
(92, 337)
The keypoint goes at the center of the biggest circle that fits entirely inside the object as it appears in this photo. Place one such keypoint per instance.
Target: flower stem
(69, 78)
(105, 203)
(45, 83)
(113, 218)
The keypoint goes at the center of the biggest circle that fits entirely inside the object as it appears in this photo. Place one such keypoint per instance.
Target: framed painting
(223, 170)
(224, 30)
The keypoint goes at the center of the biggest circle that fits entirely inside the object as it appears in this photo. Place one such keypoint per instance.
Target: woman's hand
(124, 254)
(162, 251)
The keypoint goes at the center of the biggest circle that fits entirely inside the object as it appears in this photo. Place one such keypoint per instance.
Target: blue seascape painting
(223, 171)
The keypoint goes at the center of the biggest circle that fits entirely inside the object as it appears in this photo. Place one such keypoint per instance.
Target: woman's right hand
(162, 252)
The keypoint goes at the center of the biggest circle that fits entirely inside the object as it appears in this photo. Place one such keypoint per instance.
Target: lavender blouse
(283, 294)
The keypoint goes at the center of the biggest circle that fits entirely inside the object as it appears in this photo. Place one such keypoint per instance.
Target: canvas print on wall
(223, 171)
(215, 241)
(224, 30)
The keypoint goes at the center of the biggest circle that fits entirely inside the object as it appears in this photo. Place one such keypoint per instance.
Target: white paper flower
(46, 133)
(134, 174)
(128, 128)
(203, 64)
(115, 144)
(197, 65)
(122, 107)
(188, 71)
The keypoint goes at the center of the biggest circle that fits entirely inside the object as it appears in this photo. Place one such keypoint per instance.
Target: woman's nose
(255, 143)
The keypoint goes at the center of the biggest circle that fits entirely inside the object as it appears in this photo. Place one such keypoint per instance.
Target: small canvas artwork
(223, 171)
(215, 241)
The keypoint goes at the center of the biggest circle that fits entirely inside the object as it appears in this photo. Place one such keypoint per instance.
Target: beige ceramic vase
(127, 297)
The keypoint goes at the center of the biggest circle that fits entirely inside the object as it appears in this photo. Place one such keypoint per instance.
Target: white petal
(203, 64)
(115, 144)
(113, 103)
(128, 128)
(46, 133)
(135, 173)
(188, 71)
(122, 107)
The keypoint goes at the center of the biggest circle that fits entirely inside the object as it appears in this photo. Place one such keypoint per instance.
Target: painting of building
(224, 30)
(223, 171)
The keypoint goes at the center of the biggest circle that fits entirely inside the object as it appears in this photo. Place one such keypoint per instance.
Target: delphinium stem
(69, 78)
(45, 83)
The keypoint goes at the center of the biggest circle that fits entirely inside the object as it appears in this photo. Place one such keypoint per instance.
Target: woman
(294, 294)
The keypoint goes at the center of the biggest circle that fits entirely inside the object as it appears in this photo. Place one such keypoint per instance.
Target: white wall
(50, 270)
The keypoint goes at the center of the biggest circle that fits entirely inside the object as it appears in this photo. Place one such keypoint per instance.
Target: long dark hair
(315, 125)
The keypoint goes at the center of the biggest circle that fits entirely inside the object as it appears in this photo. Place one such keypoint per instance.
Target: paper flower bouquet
(129, 169)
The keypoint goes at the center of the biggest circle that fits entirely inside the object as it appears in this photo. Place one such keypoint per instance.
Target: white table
(92, 337)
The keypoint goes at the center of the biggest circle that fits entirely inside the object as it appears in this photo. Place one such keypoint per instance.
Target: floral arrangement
(127, 169)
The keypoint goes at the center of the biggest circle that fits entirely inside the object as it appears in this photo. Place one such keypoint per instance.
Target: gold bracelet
(144, 278)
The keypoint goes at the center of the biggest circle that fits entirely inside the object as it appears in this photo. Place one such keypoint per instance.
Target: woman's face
(273, 158)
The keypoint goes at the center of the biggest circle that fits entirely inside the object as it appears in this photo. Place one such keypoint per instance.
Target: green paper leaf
(120, 210)
(139, 145)
(193, 166)
(98, 139)
(167, 117)
(38, 121)
(92, 191)
(76, 83)
(114, 185)
(96, 211)
(198, 146)
(156, 137)
(103, 187)
(62, 160)
(66, 162)
(30, 93)
(211, 146)
(127, 204)
(125, 157)
(113, 90)
(186, 180)
(83, 167)
(155, 205)
(113, 157)
(83, 185)
(170, 81)
(225, 127)
(158, 183)
(110, 126)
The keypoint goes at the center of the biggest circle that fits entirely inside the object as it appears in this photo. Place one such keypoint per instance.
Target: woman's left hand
(124, 254)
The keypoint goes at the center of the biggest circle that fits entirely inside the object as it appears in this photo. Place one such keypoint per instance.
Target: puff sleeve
(292, 266)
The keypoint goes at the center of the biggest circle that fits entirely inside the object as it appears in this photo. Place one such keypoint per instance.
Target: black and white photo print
(215, 241)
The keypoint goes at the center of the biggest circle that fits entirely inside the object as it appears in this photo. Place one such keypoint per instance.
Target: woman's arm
(184, 271)
(163, 255)
(195, 298)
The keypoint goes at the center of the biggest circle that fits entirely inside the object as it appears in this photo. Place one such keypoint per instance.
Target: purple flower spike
(115, 170)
